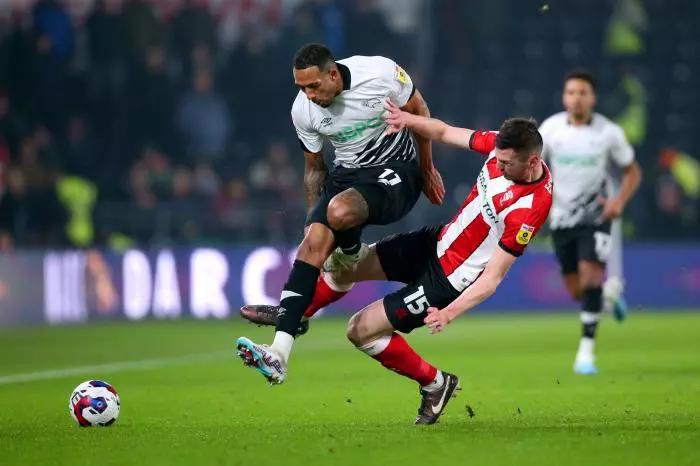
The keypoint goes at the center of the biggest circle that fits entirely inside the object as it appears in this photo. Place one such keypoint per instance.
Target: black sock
(349, 241)
(591, 305)
(297, 295)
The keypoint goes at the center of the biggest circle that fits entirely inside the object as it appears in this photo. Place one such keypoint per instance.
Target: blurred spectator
(143, 30)
(152, 98)
(106, 39)
(203, 119)
(80, 155)
(273, 177)
(368, 33)
(151, 178)
(53, 27)
(194, 34)
(233, 210)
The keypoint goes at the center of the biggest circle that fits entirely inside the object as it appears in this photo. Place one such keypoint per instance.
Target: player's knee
(340, 215)
(353, 330)
(315, 248)
(575, 291)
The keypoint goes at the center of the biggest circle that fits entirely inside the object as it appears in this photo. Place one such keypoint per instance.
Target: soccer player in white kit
(580, 145)
(376, 179)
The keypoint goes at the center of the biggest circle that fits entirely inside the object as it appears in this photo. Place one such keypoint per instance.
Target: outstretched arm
(478, 292)
(434, 188)
(430, 128)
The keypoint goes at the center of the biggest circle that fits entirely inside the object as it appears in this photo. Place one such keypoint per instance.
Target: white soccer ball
(94, 403)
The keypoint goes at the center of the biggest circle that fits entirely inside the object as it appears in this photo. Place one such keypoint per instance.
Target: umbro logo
(326, 122)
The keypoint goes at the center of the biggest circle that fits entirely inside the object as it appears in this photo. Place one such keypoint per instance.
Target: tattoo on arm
(315, 173)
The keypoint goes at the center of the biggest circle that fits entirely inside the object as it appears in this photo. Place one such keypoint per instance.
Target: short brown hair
(521, 135)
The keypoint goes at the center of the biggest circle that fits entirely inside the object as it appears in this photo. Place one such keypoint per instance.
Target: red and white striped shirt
(497, 212)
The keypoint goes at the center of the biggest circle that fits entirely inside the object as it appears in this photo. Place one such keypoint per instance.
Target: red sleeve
(482, 141)
(521, 226)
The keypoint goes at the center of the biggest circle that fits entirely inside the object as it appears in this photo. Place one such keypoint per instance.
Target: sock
(349, 241)
(282, 344)
(436, 384)
(296, 296)
(327, 291)
(591, 305)
(585, 349)
(394, 353)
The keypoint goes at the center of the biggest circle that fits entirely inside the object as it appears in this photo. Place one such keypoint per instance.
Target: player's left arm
(631, 178)
(434, 188)
(622, 154)
(521, 225)
(478, 292)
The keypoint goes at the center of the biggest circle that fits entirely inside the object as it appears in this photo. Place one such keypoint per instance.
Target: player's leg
(613, 287)
(379, 196)
(409, 258)
(295, 297)
(567, 255)
(593, 248)
(372, 333)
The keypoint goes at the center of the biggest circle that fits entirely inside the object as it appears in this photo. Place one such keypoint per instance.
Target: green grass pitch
(190, 401)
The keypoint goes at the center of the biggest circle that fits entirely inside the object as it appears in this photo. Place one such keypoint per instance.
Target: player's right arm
(431, 128)
(311, 142)
(315, 173)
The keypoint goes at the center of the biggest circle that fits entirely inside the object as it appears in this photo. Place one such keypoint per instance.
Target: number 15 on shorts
(417, 302)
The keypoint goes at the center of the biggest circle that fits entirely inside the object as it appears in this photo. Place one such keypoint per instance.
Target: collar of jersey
(345, 74)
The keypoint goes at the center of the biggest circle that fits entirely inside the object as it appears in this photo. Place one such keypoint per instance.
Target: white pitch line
(153, 363)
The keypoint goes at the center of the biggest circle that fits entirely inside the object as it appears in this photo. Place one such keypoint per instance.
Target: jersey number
(417, 302)
(389, 177)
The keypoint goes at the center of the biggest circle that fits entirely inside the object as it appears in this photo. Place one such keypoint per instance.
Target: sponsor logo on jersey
(487, 207)
(401, 75)
(355, 131)
(326, 122)
(524, 234)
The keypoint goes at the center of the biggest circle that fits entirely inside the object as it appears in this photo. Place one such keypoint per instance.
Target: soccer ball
(94, 403)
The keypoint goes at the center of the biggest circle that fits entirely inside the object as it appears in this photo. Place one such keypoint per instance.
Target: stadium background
(149, 171)
(163, 126)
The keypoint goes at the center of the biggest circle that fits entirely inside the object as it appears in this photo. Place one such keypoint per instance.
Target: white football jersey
(580, 158)
(353, 122)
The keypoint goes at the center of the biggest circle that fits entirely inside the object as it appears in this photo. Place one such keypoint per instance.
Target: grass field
(186, 400)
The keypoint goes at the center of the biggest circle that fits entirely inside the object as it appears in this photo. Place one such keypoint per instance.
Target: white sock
(585, 349)
(282, 344)
(375, 347)
(435, 384)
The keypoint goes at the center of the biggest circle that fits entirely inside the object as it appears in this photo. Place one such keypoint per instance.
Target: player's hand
(433, 187)
(612, 208)
(396, 118)
(436, 320)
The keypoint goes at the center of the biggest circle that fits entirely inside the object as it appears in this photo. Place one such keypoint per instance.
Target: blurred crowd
(155, 122)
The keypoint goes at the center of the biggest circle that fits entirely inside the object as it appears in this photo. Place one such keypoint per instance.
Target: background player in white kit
(580, 146)
(376, 178)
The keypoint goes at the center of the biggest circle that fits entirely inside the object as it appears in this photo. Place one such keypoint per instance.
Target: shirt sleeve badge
(524, 234)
